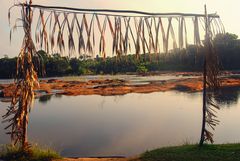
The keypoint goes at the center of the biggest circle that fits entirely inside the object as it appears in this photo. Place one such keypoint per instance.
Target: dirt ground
(99, 159)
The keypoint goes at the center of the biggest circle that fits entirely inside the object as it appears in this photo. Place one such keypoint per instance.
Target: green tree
(75, 66)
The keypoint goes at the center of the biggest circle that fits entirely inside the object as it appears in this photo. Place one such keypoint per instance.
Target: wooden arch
(131, 32)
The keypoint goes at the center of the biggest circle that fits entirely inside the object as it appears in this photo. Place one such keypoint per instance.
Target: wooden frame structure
(148, 33)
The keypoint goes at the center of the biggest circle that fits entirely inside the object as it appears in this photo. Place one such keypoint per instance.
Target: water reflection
(123, 125)
(225, 96)
(228, 96)
(45, 98)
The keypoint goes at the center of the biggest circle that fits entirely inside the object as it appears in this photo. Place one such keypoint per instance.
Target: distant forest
(227, 46)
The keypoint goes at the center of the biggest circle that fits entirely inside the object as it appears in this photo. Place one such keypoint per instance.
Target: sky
(228, 10)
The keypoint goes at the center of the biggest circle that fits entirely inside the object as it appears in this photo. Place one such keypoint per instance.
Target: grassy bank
(225, 152)
(10, 153)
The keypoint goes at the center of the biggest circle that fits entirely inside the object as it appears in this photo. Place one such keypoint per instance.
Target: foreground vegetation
(10, 153)
(227, 46)
(224, 152)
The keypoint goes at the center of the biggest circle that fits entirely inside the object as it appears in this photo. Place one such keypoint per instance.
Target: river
(88, 126)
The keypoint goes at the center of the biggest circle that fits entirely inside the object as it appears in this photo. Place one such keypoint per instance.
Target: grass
(224, 152)
(11, 153)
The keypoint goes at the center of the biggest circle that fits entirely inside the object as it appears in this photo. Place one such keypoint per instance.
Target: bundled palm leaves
(79, 30)
(26, 80)
(61, 28)
(211, 84)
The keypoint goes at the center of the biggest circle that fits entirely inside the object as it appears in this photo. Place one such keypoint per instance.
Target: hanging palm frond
(157, 45)
(88, 28)
(132, 35)
(197, 40)
(167, 36)
(81, 42)
(211, 83)
(186, 35)
(127, 44)
(102, 29)
(43, 33)
(221, 26)
(173, 37)
(164, 39)
(71, 44)
(180, 33)
(17, 115)
(151, 39)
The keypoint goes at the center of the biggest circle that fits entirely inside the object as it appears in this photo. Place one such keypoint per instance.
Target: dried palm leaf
(163, 35)
(168, 32)
(197, 40)
(151, 39)
(211, 73)
(185, 29)
(88, 28)
(112, 33)
(157, 45)
(173, 36)
(126, 37)
(81, 42)
(26, 80)
(71, 44)
(132, 35)
(44, 35)
(102, 29)
(180, 32)
(138, 27)
(222, 26)
(121, 37)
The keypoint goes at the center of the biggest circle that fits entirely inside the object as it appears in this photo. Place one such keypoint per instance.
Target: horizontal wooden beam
(106, 11)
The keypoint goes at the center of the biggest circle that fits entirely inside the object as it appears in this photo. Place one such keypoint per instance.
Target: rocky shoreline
(109, 87)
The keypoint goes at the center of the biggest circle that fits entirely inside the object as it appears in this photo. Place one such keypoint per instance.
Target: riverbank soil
(99, 159)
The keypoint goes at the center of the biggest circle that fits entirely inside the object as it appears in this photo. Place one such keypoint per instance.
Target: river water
(88, 126)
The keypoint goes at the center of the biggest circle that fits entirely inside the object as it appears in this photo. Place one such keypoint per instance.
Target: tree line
(190, 59)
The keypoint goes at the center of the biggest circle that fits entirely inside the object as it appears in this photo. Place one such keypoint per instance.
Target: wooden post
(25, 125)
(202, 139)
(25, 106)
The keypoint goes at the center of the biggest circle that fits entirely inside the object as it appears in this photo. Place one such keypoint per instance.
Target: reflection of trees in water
(117, 98)
(227, 95)
(58, 96)
(101, 105)
(45, 98)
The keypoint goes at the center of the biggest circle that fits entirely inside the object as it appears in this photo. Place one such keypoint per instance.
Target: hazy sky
(229, 10)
